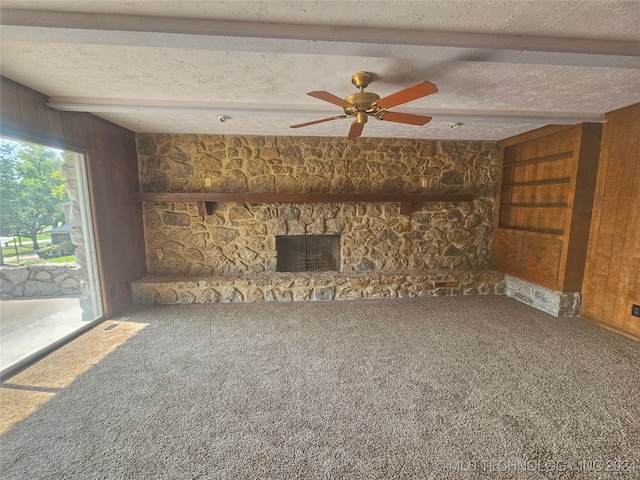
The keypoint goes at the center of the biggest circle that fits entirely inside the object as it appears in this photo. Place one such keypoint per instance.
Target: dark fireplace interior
(308, 253)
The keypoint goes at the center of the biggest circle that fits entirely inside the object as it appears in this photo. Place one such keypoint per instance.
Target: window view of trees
(32, 194)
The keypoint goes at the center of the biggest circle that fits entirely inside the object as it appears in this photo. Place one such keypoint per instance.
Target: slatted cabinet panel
(541, 179)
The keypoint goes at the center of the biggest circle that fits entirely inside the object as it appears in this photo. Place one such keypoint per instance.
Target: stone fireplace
(231, 254)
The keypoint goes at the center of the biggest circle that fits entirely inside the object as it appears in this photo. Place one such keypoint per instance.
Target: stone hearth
(305, 286)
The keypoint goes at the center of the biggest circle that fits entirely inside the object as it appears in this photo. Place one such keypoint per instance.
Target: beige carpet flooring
(444, 387)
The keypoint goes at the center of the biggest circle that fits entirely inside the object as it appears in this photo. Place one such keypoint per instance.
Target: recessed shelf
(547, 158)
(550, 231)
(532, 183)
(535, 205)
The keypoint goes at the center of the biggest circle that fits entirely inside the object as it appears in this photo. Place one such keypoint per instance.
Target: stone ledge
(316, 286)
(558, 304)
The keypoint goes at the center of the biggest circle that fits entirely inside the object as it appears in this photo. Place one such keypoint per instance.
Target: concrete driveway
(28, 325)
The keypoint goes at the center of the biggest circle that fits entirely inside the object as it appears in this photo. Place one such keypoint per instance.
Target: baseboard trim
(602, 324)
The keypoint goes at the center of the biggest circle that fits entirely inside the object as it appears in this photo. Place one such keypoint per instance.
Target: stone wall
(240, 238)
(40, 280)
(558, 304)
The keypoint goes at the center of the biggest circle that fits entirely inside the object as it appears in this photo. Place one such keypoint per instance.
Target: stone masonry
(316, 286)
(238, 240)
(558, 304)
(40, 280)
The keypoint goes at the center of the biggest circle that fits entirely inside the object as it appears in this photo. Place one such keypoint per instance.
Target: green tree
(8, 190)
(32, 189)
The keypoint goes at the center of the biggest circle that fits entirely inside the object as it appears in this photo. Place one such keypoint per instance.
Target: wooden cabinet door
(541, 261)
(506, 253)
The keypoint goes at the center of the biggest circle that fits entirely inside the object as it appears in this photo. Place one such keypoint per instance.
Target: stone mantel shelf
(205, 200)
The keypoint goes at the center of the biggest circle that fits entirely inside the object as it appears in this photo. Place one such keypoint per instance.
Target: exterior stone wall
(558, 304)
(239, 239)
(40, 280)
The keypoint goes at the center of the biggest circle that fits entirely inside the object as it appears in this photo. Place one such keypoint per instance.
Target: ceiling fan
(362, 104)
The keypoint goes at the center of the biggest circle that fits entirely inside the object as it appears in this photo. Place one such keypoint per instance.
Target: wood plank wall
(612, 273)
(112, 165)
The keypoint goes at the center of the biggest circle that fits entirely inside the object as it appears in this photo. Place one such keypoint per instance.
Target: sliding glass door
(49, 274)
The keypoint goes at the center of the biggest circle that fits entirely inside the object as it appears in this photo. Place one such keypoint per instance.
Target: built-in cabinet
(544, 204)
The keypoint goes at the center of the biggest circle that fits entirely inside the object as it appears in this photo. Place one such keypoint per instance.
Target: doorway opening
(50, 288)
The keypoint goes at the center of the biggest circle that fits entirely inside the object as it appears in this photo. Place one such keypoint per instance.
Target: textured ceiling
(501, 67)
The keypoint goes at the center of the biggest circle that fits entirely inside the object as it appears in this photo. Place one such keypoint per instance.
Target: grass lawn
(40, 236)
(27, 245)
(71, 258)
(11, 251)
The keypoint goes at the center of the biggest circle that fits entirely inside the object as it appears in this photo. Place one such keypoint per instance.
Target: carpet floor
(444, 387)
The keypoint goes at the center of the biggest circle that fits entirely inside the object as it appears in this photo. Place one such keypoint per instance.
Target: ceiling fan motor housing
(362, 105)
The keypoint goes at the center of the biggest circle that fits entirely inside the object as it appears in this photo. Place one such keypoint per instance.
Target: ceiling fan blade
(329, 97)
(405, 118)
(419, 90)
(355, 131)
(318, 121)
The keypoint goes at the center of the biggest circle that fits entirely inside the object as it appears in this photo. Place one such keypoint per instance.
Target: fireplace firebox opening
(308, 253)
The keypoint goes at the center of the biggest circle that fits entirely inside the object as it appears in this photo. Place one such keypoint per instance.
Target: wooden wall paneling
(613, 256)
(56, 128)
(78, 126)
(612, 223)
(28, 110)
(617, 220)
(627, 238)
(629, 279)
(115, 210)
(633, 288)
(43, 118)
(10, 104)
(122, 247)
